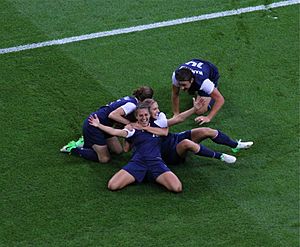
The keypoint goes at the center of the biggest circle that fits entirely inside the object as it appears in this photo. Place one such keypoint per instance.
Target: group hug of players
(146, 129)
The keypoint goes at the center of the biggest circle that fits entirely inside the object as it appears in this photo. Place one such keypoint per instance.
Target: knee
(208, 132)
(186, 144)
(112, 186)
(205, 132)
(103, 159)
(177, 188)
(118, 151)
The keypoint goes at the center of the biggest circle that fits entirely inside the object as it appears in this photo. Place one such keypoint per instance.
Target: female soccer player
(146, 158)
(201, 77)
(96, 144)
(175, 146)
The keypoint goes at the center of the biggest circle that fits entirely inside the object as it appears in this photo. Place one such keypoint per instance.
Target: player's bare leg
(121, 179)
(102, 152)
(170, 181)
(114, 145)
(199, 134)
(186, 145)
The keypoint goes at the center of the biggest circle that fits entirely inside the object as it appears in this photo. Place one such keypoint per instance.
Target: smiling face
(143, 115)
(154, 110)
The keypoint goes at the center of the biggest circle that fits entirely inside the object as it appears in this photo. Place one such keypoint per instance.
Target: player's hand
(129, 126)
(136, 126)
(198, 103)
(202, 119)
(94, 120)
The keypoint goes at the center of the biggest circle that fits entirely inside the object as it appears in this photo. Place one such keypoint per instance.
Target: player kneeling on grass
(199, 77)
(175, 146)
(97, 145)
(146, 157)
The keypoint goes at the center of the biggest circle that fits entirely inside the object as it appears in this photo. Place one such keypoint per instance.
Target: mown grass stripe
(148, 26)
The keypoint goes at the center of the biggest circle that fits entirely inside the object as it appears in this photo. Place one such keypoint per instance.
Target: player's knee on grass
(170, 181)
(177, 188)
(112, 185)
(121, 179)
(114, 145)
(103, 159)
(102, 153)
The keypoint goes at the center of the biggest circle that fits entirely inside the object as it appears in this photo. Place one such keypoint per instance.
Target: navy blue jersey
(202, 70)
(104, 111)
(145, 146)
(168, 147)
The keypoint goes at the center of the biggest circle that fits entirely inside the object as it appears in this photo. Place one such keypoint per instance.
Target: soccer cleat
(228, 158)
(242, 145)
(80, 142)
(67, 148)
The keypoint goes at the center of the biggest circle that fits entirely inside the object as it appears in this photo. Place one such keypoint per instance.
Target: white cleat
(228, 158)
(244, 145)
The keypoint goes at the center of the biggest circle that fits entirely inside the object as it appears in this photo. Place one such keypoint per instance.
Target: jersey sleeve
(128, 107)
(207, 86)
(129, 132)
(174, 81)
(161, 121)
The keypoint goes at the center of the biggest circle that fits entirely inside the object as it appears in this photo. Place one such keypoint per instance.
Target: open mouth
(144, 122)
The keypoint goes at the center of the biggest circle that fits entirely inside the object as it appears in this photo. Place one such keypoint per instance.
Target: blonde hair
(149, 102)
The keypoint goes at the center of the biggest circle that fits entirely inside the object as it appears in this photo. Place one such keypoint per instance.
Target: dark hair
(143, 93)
(184, 74)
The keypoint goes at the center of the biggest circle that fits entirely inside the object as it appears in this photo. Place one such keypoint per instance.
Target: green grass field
(52, 199)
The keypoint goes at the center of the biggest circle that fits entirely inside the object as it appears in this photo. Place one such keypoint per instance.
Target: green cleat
(67, 148)
(80, 142)
(235, 150)
(242, 145)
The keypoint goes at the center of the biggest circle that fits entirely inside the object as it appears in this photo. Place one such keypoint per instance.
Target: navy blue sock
(223, 139)
(206, 152)
(86, 153)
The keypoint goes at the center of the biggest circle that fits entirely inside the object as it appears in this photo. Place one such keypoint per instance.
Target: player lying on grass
(176, 145)
(96, 144)
(146, 157)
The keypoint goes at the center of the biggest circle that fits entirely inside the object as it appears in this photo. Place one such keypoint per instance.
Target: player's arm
(157, 131)
(160, 131)
(184, 115)
(176, 119)
(175, 99)
(118, 116)
(219, 102)
(94, 121)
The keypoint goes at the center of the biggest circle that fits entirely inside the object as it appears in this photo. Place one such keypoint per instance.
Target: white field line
(148, 26)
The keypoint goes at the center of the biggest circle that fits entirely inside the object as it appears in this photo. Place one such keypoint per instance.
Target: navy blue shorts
(171, 157)
(93, 135)
(138, 169)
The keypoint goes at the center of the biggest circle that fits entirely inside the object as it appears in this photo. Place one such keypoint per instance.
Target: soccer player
(96, 144)
(146, 158)
(201, 77)
(176, 145)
